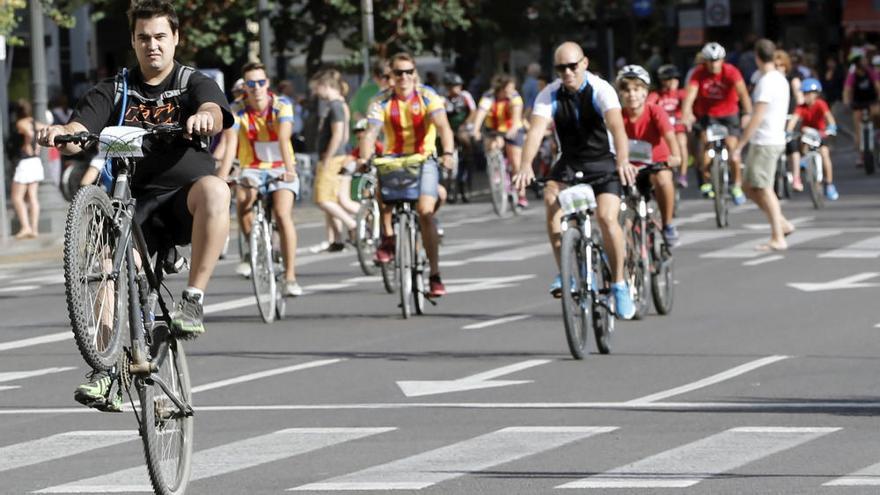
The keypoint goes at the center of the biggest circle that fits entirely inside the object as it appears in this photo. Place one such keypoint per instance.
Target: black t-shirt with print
(168, 165)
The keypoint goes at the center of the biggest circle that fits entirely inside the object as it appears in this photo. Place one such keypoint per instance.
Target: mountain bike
(719, 171)
(369, 222)
(813, 167)
(585, 272)
(113, 287)
(504, 195)
(264, 251)
(399, 183)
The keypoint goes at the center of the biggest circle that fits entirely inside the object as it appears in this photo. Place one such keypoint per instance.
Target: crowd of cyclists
(579, 128)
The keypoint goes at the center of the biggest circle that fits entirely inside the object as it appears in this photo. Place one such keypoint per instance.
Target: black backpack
(181, 81)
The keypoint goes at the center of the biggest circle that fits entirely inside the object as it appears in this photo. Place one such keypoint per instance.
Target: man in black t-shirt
(174, 184)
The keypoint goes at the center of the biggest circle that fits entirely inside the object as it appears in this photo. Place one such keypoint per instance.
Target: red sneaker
(436, 287)
(385, 252)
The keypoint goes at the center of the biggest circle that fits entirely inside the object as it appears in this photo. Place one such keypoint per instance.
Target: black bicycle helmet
(668, 71)
(453, 79)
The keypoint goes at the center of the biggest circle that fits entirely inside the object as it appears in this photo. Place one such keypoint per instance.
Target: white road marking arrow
(851, 282)
(473, 382)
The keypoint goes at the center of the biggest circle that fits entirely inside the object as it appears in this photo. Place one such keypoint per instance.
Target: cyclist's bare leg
(704, 165)
(208, 202)
(441, 197)
(664, 191)
(826, 164)
(244, 200)
(385, 212)
(553, 217)
(681, 137)
(425, 209)
(282, 207)
(735, 164)
(857, 126)
(514, 154)
(612, 235)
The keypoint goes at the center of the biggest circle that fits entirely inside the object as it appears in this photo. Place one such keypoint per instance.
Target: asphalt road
(762, 380)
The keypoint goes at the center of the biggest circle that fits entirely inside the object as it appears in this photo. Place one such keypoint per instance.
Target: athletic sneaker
(797, 185)
(738, 197)
(683, 181)
(186, 320)
(96, 393)
(670, 233)
(292, 289)
(706, 190)
(623, 302)
(243, 269)
(385, 252)
(556, 287)
(831, 192)
(335, 247)
(522, 202)
(435, 286)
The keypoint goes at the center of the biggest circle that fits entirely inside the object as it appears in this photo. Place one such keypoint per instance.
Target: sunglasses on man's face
(401, 72)
(255, 83)
(561, 68)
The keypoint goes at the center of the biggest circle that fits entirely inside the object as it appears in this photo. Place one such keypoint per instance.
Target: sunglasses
(258, 82)
(401, 72)
(561, 68)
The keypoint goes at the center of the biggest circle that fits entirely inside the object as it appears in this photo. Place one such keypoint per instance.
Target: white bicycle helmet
(713, 51)
(634, 72)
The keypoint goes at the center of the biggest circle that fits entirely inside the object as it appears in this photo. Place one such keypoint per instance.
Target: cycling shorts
(730, 121)
(264, 174)
(518, 140)
(602, 175)
(862, 105)
(165, 218)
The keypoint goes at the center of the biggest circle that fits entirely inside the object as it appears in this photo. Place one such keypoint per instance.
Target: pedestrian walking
(28, 171)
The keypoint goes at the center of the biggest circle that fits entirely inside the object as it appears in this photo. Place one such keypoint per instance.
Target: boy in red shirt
(650, 123)
(670, 97)
(816, 114)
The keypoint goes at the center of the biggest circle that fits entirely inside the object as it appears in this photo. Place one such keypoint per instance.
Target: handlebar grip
(78, 138)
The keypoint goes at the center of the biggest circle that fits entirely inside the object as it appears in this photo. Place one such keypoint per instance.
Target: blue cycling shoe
(831, 192)
(556, 287)
(623, 303)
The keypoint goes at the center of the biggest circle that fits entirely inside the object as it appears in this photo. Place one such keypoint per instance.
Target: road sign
(717, 13)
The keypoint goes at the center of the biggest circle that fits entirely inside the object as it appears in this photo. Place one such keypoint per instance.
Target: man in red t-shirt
(649, 123)
(670, 97)
(715, 92)
(816, 114)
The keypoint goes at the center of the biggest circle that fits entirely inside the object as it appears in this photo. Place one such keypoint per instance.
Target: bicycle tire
(88, 232)
(280, 278)
(496, 182)
(404, 268)
(70, 179)
(367, 235)
(813, 182)
(721, 192)
(577, 300)
(603, 318)
(641, 271)
(167, 436)
(262, 271)
(389, 277)
(418, 273)
(779, 178)
(662, 275)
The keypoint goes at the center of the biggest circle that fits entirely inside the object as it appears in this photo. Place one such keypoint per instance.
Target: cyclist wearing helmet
(715, 92)
(650, 123)
(815, 113)
(670, 97)
(460, 107)
(860, 92)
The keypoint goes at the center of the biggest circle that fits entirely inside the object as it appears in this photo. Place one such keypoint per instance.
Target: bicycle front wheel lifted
(576, 299)
(166, 430)
(96, 300)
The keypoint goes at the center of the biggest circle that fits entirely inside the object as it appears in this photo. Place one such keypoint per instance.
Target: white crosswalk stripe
(432, 467)
(59, 446)
(226, 459)
(689, 464)
(870, 476)
(747, 249)
(866, 248)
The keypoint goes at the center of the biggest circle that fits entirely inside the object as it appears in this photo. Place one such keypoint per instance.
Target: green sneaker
(96, 393)
(706, 190)
(186, 320)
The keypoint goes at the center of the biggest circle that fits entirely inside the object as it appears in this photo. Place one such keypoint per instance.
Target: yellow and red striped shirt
(258, 145)
(408, 128)
(499, 112)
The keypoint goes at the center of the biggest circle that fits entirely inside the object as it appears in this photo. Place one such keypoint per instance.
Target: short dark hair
(148, 9)
(764, 49)
(253, 66)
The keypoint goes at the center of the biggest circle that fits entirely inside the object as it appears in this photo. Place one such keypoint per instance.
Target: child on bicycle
(815, 113)
(670, 97)
(650, 123)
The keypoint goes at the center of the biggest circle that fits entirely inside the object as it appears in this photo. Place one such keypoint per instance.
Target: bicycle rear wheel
(719, 185)
(280, 278)
(166, 431)
(813, 182)
(262, 269)
(96, 303)
(576, 299)
(603, 319)
(662, 275)
(367, 235)
(418, 273)
(495, 162)
(404, 259)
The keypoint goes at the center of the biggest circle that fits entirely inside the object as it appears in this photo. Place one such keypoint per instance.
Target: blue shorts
(429, 178)
(262, 175)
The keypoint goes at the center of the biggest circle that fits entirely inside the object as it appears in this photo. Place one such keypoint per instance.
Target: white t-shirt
(772, 89)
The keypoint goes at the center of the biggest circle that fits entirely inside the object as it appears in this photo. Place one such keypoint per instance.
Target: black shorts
(164, 218)
(861, 105)
(730, 121)
(602, 175)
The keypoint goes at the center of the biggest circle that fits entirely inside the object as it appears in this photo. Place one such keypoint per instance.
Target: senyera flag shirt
(406, 121)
